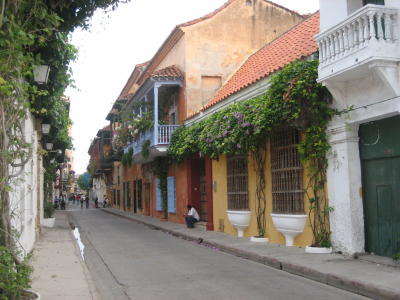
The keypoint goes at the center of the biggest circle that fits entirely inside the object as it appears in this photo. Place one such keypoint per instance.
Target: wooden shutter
(139, 193)
(171, 194)
(287, 173)
(158, 195)
(237, 174)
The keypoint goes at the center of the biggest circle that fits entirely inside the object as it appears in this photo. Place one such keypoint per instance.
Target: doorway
(380, 156)
(200, 188)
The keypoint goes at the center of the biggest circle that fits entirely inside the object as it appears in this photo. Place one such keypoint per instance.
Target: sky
(115, 43)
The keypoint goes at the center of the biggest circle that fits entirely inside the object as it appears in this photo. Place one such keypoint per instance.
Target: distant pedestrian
(105, 202)
(87, 201)
(96, 202)
(191, 217)
(73, 199)
(82, 198)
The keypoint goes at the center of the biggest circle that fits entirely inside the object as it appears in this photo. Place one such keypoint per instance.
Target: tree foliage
(84, 181)
(34, 32)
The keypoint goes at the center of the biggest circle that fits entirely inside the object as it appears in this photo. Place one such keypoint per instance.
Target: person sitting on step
(191, 217)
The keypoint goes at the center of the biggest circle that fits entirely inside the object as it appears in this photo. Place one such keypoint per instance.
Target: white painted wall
(373, 90)
(335, 11)
(99, 189)
(27, 196)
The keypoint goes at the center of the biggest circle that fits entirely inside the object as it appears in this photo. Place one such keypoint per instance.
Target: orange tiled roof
(171, 72)
(298, 42)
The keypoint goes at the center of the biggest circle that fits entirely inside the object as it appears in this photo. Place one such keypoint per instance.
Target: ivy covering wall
(294, 98)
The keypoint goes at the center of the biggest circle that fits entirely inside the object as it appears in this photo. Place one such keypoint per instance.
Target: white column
(156, 114)
(344, 190)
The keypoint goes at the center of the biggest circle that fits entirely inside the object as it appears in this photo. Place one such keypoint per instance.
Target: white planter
(240, 219)
(34, 293)
(318, 250)
(289, 225)
(49, 222)
(257, 239)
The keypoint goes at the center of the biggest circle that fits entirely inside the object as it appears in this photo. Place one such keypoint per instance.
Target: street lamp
(41, 74)
(46, 128)
(49, 146)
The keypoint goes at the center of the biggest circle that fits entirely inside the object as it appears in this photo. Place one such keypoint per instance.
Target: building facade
(359, 64)
(184, 75)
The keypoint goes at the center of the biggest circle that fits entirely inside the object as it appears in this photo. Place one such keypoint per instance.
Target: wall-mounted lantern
(46, 128)
(41, 74)
(49, 146)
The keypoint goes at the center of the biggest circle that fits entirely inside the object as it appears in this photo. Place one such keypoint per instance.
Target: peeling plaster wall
(219, 45)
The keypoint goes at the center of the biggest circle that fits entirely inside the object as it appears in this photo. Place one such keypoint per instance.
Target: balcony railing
(163, 138)
(372, 29)
(165, 132)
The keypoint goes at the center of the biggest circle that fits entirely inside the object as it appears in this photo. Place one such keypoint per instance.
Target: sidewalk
(369, 276)
(59, 271)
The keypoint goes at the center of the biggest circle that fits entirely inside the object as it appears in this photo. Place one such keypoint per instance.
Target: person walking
(87, 201)
(96, 202)
(105, 202)
(82, 198)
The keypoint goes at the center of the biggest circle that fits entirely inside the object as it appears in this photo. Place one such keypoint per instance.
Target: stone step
(201, 225)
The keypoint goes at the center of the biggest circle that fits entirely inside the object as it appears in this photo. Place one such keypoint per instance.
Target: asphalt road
(132, 261)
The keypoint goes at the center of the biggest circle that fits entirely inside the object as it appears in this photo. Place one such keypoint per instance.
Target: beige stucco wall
(219, 45)
(220, 204)
(176, 56)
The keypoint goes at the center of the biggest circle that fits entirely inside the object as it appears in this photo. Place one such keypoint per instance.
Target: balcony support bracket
(337, 89)
(388, 73)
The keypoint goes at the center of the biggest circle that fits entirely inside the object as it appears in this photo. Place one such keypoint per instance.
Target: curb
(354, 286)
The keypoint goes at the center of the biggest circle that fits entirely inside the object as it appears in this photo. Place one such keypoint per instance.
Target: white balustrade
(165, 132)
(163, 138)
(370, 24)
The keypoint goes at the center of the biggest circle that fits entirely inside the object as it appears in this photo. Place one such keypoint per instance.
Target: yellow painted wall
(221, 203)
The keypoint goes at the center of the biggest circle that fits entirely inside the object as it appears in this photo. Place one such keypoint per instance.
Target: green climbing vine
(32, 33)
(160, 169)
(294, 98)
(145, 151)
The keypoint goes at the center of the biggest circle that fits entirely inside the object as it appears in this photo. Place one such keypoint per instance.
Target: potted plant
(48, 220)
(319, 222)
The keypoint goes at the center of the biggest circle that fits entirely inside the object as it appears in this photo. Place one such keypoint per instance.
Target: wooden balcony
(159, 138)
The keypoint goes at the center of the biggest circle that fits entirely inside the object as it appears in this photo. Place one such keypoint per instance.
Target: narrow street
(132, 261)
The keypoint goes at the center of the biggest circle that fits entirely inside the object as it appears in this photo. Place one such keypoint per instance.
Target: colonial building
(359, 63)
(100, 164)
(234, 176)
(184, 75)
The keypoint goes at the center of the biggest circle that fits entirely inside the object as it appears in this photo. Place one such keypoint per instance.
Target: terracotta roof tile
(171, 72)
(292, 45)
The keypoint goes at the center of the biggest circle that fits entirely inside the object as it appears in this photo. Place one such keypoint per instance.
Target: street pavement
(59, 271)
(128, 260)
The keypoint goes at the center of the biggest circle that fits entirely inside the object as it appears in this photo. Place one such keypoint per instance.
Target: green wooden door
(380, 154)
